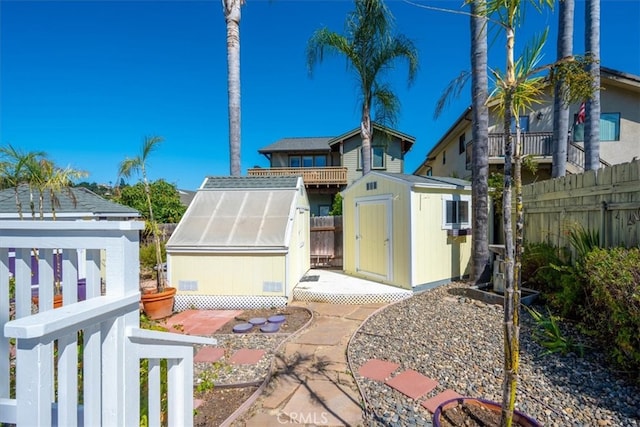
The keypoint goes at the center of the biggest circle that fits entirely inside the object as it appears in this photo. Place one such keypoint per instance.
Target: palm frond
(531, 56)
(453, 90)
(386, 104)
(326, 40)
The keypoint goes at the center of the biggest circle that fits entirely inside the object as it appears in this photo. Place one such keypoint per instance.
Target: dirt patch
(220, 402)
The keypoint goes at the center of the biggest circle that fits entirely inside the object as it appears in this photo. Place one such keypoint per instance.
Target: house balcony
(539, 145)
(330, 176)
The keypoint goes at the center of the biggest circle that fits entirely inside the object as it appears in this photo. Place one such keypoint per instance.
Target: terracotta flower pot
(455, 411)
(158, 305)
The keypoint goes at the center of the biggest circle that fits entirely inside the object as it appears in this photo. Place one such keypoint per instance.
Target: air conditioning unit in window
(459, 232)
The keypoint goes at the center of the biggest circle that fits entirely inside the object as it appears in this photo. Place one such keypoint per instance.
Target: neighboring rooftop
(87, 204)
(298, 144)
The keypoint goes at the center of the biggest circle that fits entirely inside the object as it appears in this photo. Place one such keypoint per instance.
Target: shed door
(373, 237)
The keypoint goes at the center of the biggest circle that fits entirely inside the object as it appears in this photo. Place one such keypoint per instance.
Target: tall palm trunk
(232, 17)
(592, 119)
(480, 143)
(560, 109)
(366, 134)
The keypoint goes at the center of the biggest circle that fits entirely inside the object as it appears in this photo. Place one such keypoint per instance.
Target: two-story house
(619, 134)
(328, 164)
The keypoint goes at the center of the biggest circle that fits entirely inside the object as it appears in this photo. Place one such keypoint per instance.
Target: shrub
(148, 255)
(537, 267)
(612, 306)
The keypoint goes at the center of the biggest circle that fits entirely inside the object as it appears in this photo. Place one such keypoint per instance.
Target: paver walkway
(312, 384)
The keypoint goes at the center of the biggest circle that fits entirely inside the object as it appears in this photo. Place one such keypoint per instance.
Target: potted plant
(158, 303)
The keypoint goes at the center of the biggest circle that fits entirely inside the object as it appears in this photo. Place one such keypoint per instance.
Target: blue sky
(85, 81)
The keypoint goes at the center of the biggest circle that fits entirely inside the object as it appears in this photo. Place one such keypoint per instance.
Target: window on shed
(455, 211)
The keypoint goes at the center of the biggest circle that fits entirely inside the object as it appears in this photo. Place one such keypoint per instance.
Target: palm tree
(480, 145)
(15, 170)
(370, 48)
(232, 18)
(561, 109)
(138, 164)
(592, 119)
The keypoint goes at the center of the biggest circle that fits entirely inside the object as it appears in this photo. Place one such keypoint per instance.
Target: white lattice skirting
(227, 302)
(360, 298)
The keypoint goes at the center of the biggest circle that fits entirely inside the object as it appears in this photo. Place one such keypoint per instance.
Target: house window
(455, 212)
(323, 210)
(524, 124)
(461, 144)
(609, 127)
(295, 162)
(377, 158)
(307, 161)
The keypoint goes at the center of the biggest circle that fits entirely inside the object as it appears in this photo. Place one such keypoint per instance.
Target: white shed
(242, 243)
(409, 231)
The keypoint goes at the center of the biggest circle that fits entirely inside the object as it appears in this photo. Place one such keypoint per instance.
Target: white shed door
(373, 237)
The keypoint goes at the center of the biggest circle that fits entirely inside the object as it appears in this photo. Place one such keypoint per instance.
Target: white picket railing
(47, 362)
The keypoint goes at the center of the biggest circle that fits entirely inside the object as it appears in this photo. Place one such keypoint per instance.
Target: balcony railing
(539, 144)
(330, 175)
(47, 363)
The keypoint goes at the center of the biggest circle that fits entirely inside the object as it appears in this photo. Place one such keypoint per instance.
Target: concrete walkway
(312, 384)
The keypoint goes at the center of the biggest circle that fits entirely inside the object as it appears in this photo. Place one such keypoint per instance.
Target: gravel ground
(458, 342)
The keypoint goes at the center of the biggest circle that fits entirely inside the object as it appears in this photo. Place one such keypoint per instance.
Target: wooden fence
(326, 241)
(606, 200)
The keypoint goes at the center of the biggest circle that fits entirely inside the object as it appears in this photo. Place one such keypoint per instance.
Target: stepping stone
(209, 355)
(412, 384)
(279, 318)
(242, 328)
(246, 356)
(378, 370)
(431, 404)
(270, 328)
(258, 321)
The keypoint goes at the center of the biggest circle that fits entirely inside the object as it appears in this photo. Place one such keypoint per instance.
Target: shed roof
(416, 181)
(248, 182)
(86, 204)
(230, 214)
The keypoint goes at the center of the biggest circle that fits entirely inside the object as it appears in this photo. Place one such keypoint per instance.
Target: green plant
(612, 304)
(582, 240)
(139, 164)
(336, 207)
(538, 272)
(549, 335)
(148, 255)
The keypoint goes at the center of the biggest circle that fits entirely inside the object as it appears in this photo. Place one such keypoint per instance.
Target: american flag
(581, 113)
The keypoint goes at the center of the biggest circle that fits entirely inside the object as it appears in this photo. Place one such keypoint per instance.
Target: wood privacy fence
(326, 241)
(606, 200)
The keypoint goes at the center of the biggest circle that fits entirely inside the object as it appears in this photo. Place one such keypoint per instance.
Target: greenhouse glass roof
(227, 219)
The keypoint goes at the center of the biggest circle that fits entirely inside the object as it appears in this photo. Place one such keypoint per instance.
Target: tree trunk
(366, 132)
(511, 336)
(232, 18)
(480, 271)
(560, 109)
(592, 119)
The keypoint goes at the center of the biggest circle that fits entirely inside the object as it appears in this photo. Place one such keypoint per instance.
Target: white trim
(460, 198)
